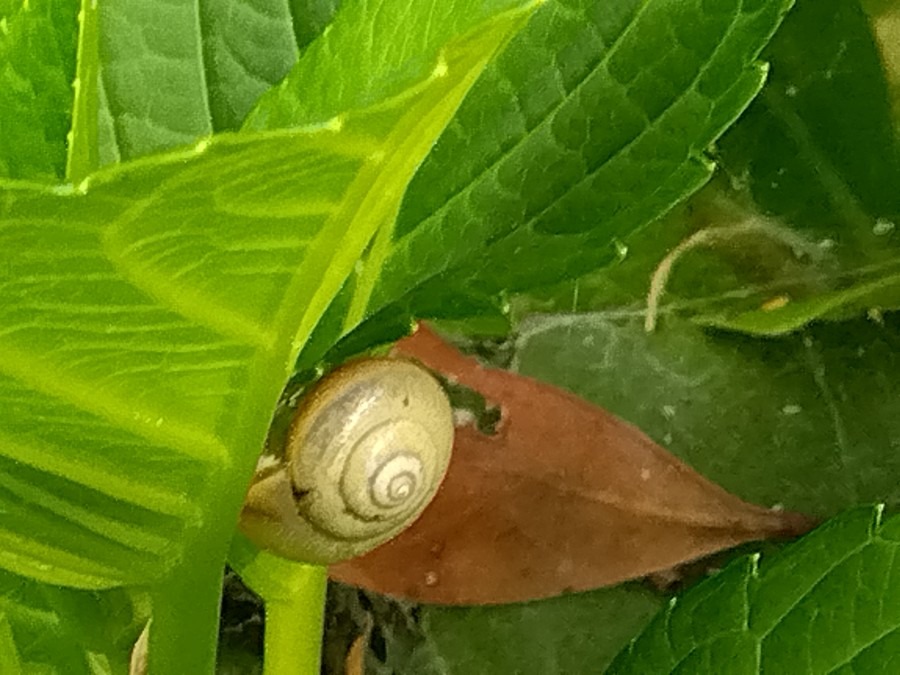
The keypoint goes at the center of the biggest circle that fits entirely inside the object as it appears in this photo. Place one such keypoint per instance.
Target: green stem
(184, 632)
(294, 626)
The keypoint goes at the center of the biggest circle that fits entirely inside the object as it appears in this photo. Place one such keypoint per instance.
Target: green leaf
(130, 330)
(173, 73)
(829, 603)
(247, 48)
(579, 134)
(160, 344)
(526, 185)
(846, 265)
(871, 292)
(37, 66)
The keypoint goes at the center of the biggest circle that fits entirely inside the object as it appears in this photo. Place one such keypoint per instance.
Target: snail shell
(365, 453)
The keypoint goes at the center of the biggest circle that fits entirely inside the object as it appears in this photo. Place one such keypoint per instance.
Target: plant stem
(293, 642)
(185, 628)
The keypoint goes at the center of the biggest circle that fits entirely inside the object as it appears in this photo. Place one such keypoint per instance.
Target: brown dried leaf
(563, 497)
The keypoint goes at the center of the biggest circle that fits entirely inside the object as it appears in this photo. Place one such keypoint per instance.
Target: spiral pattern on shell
(365, 454)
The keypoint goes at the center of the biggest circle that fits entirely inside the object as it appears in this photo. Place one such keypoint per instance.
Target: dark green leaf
(571, 634)
(247, 47)
(818, 146)
(798, 164)
(580, 134)
(807, 421)
(819, 150)
(827, 604)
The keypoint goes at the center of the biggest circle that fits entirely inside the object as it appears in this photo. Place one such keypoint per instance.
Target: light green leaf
(37, 66)
(827, 604)
(335, 72)
(9, 655)
(871, 292)
(151, 317)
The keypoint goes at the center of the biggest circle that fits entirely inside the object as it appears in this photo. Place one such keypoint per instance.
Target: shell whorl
(365, 454)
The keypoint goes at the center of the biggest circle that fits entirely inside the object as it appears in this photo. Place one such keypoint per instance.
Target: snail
(366, 451)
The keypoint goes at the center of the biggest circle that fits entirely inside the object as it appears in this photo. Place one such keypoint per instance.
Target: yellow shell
(366, 452)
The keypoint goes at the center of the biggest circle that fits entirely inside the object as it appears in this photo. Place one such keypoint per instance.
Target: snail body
(365, 453)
